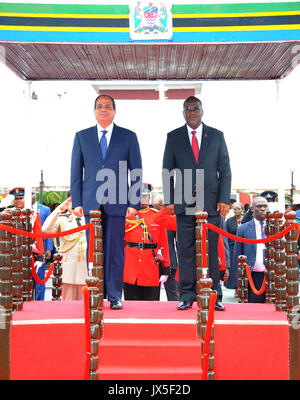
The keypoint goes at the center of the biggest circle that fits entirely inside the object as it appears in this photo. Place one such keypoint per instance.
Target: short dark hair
(192, 98)
(105, 95)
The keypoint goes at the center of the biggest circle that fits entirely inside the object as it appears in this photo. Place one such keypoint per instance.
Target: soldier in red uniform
(19, 202)
(146, 244)
(37, 245)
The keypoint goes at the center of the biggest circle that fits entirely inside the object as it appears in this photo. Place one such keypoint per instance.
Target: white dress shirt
(109, 130)
(198, 133)
(259, 265)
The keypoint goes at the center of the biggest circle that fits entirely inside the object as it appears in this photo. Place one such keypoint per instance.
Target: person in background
(48, 244)
(38, 245)
(224, 260)
(231, 227)
(231, 213)
(72, 247)
(171, 286)
(288, 202)
(254, 229)
(146, 246)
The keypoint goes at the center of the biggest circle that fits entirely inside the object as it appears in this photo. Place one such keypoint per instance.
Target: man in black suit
(197, 159)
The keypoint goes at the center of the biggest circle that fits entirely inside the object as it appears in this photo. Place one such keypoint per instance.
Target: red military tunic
(140, 266)
(165, 219)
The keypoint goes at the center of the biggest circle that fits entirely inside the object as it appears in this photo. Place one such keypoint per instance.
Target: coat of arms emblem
(150, 20)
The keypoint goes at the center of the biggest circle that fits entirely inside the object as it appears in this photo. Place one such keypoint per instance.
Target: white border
(146, 321)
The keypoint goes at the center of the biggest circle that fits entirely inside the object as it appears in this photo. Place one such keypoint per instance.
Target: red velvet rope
(89, 226)
(36, 277)
(251, 283)
(86, 299)
(267, 239)
(210, 320)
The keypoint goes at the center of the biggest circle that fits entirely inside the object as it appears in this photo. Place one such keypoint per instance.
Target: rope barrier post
(292, 286)
(6, 249)
(6, 301)
(57, 277)
(280, 273)
(201, 270)
(243, 281)
(95, 324)
(97, 269)
(203, 306)
(269, 260)
(204, 284)
(27, 257)
(292, 289)
(17, 263)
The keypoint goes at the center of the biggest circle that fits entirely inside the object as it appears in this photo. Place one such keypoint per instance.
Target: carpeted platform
(148, 340)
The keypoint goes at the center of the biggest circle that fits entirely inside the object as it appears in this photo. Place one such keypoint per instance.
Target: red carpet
(148, 340)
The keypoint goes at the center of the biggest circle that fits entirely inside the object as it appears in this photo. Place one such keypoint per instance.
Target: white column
(26, 173)
(281, 185)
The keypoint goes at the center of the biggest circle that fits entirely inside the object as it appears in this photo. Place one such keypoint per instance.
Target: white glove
(163, 279)
(37, 265)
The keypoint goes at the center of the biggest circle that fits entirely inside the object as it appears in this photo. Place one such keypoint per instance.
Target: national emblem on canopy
(150, 20)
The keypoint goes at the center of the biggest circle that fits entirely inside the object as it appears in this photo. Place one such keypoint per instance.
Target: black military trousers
(136, 292)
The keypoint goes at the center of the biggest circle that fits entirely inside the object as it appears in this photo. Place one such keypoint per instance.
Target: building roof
(205, 41)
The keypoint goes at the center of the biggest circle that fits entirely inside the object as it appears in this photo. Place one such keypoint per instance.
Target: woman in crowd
(231, 227)
(72, 247)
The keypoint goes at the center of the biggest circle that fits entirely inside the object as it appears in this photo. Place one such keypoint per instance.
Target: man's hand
(226, 275)
(47, 254)
(223, 208)
(65, 205)
(37, 265)
(170, 208)
(78, 211)
(163, 279)
(130, 210)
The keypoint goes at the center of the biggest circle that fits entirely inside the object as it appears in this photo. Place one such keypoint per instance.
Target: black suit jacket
(231, 227)
(213, 159)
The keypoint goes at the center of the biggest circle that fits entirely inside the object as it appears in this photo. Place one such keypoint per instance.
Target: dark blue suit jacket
(248, 231)
(44, 213)
(90, 172)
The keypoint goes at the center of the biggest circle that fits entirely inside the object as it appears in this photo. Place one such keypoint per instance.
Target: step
(152, 329)
(48, 342)
(166, 353)
(159, 373)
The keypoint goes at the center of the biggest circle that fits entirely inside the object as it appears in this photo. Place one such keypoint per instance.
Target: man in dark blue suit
(102, 158)
(196, 150)
(253, 229)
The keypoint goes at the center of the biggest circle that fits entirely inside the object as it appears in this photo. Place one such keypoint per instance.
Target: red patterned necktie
(195, 146)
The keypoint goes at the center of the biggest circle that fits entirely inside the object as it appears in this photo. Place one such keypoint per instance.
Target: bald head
(259, 208)
(158, 202)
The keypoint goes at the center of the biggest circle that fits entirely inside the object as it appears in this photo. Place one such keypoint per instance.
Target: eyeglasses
(190, 109)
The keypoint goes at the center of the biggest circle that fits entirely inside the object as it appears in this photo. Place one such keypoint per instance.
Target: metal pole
(42, 186)
(292, 183)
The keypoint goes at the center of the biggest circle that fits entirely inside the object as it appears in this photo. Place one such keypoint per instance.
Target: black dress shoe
(184, 305)
(116, 305)
(219, 306)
